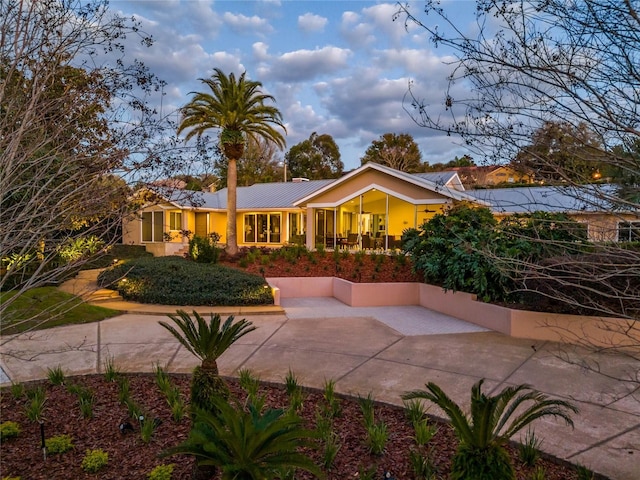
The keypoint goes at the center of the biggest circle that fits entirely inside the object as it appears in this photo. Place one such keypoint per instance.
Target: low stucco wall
(295, 287)
(465, 307)
(516, 323)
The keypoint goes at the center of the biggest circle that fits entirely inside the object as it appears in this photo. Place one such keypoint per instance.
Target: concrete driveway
(383, 350)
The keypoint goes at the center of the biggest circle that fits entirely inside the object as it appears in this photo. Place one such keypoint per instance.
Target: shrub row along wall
(575, 329)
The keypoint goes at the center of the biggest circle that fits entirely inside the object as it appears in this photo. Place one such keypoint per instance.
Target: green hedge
(177, 281)
(466, 249)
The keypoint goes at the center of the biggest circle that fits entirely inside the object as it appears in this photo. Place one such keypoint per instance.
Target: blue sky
(336, 67)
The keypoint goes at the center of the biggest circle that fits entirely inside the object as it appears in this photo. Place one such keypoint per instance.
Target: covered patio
(370, 208)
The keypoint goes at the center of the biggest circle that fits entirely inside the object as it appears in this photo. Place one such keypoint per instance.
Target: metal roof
(273, 195)
(279, 196)
(260, 196)
(558, 199)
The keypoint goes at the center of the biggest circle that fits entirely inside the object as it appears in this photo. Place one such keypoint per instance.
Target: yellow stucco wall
(132, 230)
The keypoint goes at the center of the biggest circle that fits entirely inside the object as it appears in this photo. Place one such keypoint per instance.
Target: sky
(334, 67)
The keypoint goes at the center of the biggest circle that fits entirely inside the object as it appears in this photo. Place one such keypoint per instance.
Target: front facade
(369, 208)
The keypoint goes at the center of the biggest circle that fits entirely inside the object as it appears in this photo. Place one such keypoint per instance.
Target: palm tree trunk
(232, 185)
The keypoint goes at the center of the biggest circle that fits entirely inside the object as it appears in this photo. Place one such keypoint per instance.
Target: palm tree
(481, 454)
(207, 341)
(248, 445)
(237, 109)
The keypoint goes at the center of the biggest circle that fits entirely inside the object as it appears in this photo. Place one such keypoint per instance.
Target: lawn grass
(48, 307)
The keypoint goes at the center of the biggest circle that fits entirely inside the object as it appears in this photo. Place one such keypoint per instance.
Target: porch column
(310, 230)
(386, 223)
(184, 223)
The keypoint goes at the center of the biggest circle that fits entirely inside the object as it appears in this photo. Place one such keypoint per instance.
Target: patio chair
(352, 240)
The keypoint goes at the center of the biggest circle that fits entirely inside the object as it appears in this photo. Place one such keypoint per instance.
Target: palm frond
(247, 444)
(207, 341)
(458, 419)
(234, 105)
(490, 422)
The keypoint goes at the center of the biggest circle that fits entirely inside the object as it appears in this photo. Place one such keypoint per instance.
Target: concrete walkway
(383, 350)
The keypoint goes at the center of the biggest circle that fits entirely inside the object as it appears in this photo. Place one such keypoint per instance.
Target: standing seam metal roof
(550, 199)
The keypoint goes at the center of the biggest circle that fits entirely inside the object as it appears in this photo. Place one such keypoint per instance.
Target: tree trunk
(232, 185)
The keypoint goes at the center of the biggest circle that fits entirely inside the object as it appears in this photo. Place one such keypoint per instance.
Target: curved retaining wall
(586, 330)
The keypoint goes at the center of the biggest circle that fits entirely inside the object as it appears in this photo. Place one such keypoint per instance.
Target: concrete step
(89, 274)
(103, 295)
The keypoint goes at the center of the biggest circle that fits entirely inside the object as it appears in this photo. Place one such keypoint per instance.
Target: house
(588, 204)
(490, 175)
(368, 208)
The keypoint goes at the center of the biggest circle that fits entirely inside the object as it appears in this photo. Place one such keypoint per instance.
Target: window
(262, 228)
(152, 226)
(297, 223)
(629, 231)
(249, 228)
(175, 220)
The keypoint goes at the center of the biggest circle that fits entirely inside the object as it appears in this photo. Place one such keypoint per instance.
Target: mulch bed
(358, 268)
(131, 458)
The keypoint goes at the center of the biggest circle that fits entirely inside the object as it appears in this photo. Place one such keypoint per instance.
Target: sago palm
(207, 341)
(248, 445)
(238, 109)
(492, 422)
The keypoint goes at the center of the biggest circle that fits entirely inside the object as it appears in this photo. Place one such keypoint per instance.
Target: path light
(125, 427)
(44, 446)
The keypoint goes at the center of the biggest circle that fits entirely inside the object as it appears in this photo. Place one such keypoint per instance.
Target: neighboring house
(587, 204)
(369, 207)
(491, 175)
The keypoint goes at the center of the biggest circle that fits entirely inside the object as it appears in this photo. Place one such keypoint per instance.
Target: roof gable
(440, 183)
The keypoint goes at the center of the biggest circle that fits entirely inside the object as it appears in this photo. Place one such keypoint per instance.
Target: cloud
(358, 34)
(302, 65)
(244, 25)
(339, 72)
(260, 51)
(381, 18)
(309, 23)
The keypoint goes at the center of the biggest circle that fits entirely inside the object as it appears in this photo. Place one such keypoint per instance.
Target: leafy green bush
(78, 248)
(466, 249)
(94, 460)
(451, 250)
(161, 472)
(177, 281)
(204, 249)
(9, 429)
(58, 444)
(541, 234)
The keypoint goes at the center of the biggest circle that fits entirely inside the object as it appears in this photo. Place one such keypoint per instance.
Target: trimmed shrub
(58, 444)
(177, 281)
(94, 460)
(161, 472)
(9, 429)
